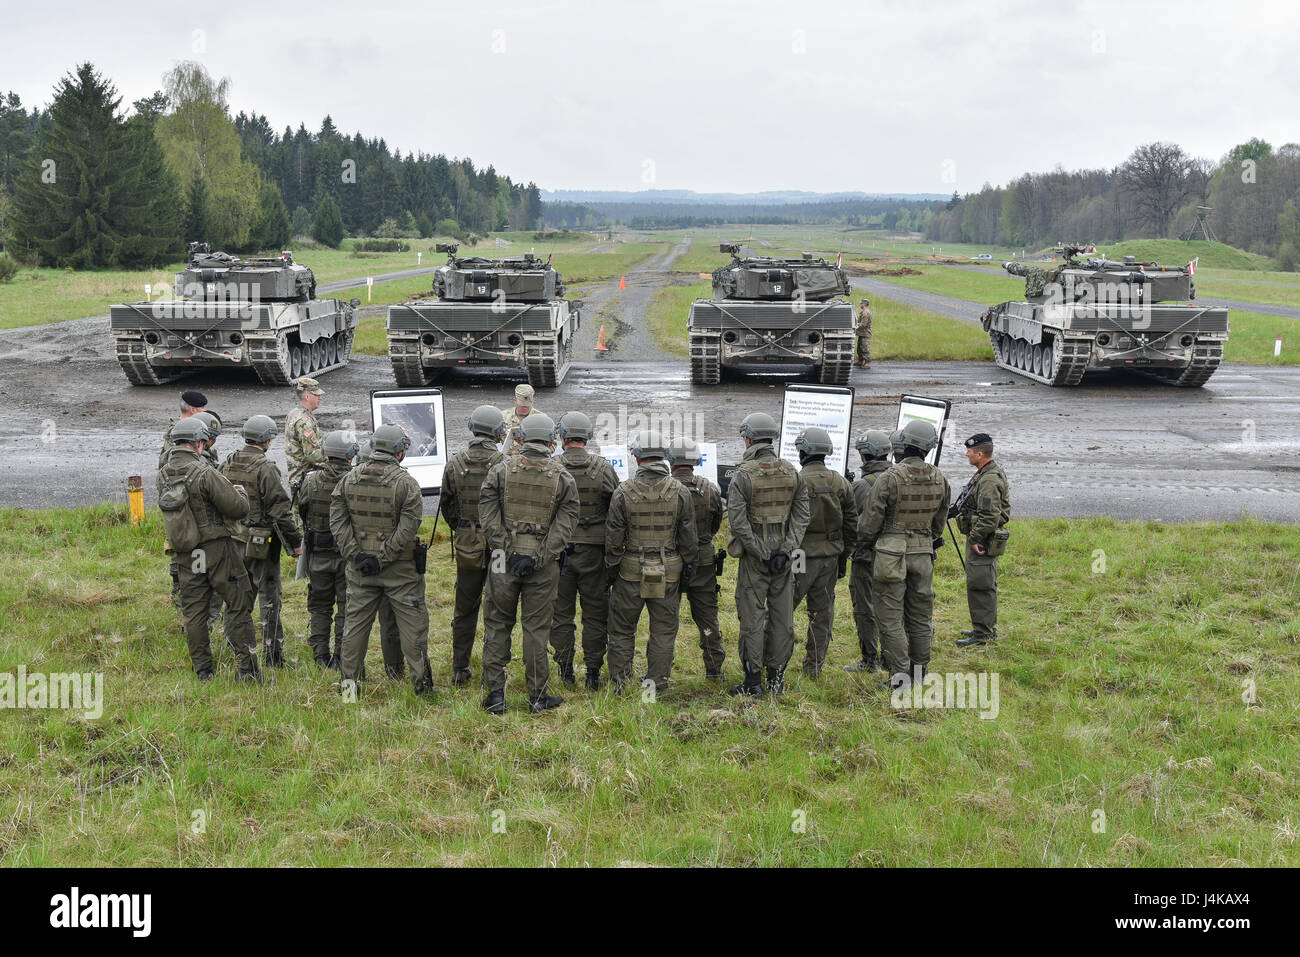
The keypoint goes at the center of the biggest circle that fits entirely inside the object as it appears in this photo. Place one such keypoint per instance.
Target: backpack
(178, 516)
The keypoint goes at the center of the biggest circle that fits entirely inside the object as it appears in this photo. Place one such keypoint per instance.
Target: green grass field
(1147, 680)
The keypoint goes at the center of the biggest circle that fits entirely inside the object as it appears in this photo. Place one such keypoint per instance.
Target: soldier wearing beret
(982, 511)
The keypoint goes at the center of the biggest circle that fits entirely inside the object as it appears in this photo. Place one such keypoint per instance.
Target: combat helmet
(189, 429)
(487, 420)
(259, 429)
(391, 439)
(536, 427)
(684, 451)
(874, 444)
(574, 425)
(338, 445)
(647, 444)
(918, 434)
(758, 427)
(211, 421)
(814, 441)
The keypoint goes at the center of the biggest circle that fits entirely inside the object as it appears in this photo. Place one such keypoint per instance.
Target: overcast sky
(877, 96)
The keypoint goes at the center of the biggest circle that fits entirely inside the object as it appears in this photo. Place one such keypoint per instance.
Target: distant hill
(680, 197)
(1177, 252)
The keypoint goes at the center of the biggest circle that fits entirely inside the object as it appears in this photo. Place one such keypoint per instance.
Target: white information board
(619, 457)
(934, 411)
(420, 413)
(829, 407)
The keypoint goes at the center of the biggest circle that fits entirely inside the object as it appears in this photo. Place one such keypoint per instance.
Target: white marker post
(419, 258)
(1277, 347)
(148, 297)
(370, 284)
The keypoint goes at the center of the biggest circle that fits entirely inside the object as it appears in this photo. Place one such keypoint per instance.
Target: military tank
(773, 311)
(489, 312)
(1136, 316)
(259, 314)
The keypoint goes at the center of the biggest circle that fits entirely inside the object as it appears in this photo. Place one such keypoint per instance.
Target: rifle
(956, 547)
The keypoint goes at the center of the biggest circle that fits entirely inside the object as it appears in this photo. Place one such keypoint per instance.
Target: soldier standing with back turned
(583, 572)
(985, 509)
(864, 334)
(767, 512)
(462, 483)
(702, 588)
(874, 447)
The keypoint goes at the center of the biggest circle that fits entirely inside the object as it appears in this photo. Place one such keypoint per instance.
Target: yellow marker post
(370, 284)
(135, 496)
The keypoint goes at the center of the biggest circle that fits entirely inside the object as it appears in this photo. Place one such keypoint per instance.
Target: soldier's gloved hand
(367, 564)
(719, 561)
(843, 568)
(937, 544)
(521, 566)
(688, 570)
(611, 575)
(778, 562)
(953, 511)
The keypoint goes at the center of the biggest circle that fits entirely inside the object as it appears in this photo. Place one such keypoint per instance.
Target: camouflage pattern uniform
(327, 579)
(528, 506)
(596, 481)
(268, 511)
(864, 616)
(513, 445)
(302, 444)
(864, 335)
(831, 533)
(987, 508)
(650, 516)
(904, 518)
(767, 512)
(702, 590)
(376, 510)
(462, 483)
(216, 505)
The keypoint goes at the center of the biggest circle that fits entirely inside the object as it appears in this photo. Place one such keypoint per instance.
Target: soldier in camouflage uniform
(302, 437)
(903, 523)
(649, 543)
(192, 402)
(462, 481)
(767, 513)
(529, 510)
(375, 514)
(864, 335)
(1037, 279)
(828, 540)
(583, 570)
(702, 588)
(523, 408)
(216, 565)
(270, 523)
(984, 513)
(875, 448)
(327, 572)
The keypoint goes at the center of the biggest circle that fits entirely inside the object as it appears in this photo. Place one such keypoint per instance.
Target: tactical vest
(772, 489)
(471, 468)
(652, 513)
(210, 522)
(826, 527)
(920, 493)
(371, 494)
(318, 492)
(532, 488)
(697, 485)
(241, 468)
(593, 509)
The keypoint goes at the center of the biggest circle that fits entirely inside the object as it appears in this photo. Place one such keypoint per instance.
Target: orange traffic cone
(600, 341)
(622, 282)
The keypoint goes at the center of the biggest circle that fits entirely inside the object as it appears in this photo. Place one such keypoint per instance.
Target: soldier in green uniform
(864, 334)
(649, 543)
(983, 512)
(375, 514)
(583, 569)
(528, 509)
(903, 523)
(702, 588)
(462, 481)
(270, 523)
(874, 447)
(828, 540)
(214, 565)
(767, 513)
(523, 408)
(192, 402)
(302, 437)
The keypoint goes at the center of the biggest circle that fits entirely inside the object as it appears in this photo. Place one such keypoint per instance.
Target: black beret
(194, 399)
(979, 438)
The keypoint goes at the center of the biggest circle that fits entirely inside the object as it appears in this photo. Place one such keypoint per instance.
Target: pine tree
(327, 228)
(198, 223)
(271, 231)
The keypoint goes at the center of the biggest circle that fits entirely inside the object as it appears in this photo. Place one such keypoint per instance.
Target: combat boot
(395, 671)
(423, 686)
(336, 661)
(866, 664)
(752, 686)
(776, 681)
(544, 702)
(323, 661)
(812, 671)
(660, 688)
(495, 703)
(972, 639)
(566, 673)
(461, 677)
(249, 673)
(205, 674)
(593, 679)
(273, 654)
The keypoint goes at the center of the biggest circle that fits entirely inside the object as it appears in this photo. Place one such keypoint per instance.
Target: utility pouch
(259, 543)
(890, 563)
(653, 579)
(998, 543)
(471, 548)
(322, 540)
(420, 555)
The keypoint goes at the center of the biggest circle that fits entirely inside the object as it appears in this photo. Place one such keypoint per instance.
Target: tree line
(1247, 199)
(87, 183)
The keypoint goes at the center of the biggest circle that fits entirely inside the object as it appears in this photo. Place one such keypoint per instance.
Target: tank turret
(764, 278)
(479, 279)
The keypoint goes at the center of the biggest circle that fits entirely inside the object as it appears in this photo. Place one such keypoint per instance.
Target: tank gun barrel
(1016, 268)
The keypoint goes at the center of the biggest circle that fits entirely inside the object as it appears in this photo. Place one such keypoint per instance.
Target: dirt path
(622, 311)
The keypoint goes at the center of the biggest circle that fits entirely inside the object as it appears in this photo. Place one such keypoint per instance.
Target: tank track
(278, 361)
(1065, 366)
(706, 360)
(546, 363)
(137, 368)
(837, 361)
(1206, 356)
(408, 370)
